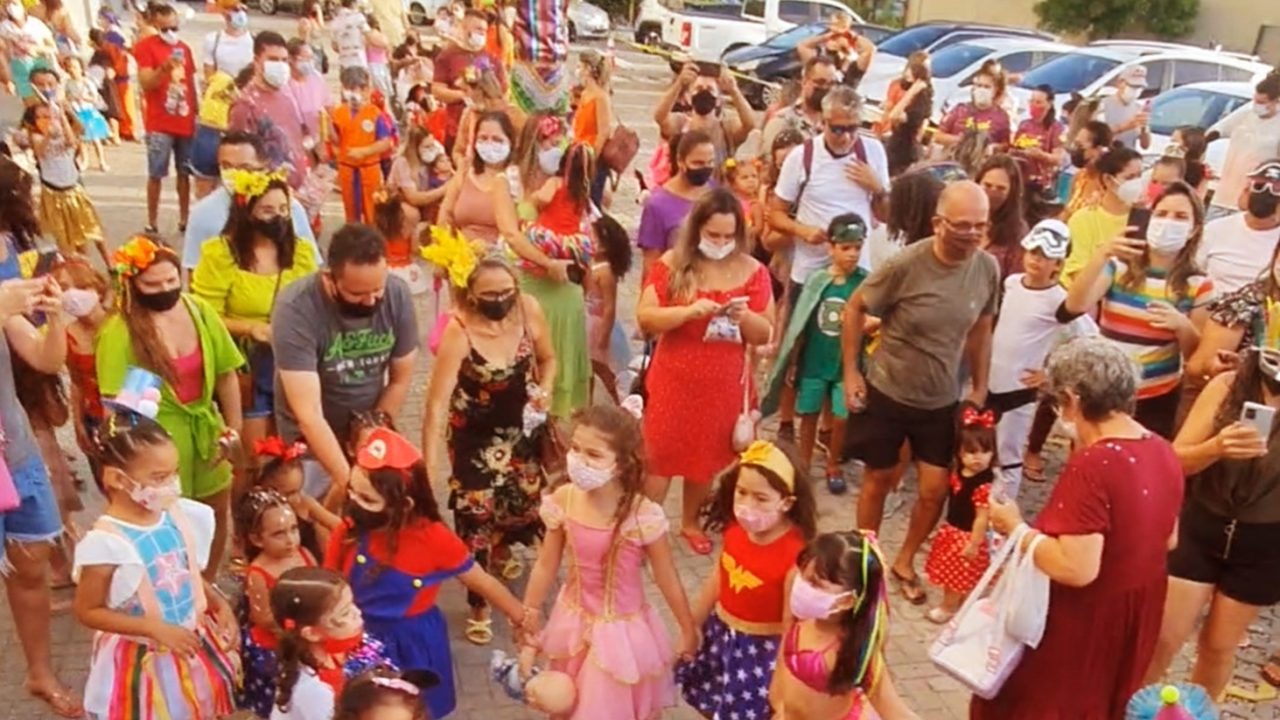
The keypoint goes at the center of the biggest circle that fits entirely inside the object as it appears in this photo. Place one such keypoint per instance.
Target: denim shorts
(160, 147)
(204, 152)
(36, 519)
(262, 365)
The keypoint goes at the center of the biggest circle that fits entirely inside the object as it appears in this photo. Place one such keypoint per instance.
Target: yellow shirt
(242, 294)
(215, 106)
(1091, 229)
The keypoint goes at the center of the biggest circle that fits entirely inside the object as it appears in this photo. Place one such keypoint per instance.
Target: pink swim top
(808, 666)
(190, 371)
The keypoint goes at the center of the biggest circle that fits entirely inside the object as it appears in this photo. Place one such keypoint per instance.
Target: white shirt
(1232, 254)
(1252, 140)
(226, 52)
(348, 30)
(312, 699)
(828, 193)
(1026, 330)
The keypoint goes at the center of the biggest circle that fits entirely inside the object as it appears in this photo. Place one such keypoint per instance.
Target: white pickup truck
(706, 30)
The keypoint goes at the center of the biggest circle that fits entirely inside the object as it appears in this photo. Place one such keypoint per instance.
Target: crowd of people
(937, 296)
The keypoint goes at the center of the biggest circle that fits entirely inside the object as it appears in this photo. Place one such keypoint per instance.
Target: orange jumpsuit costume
(359, 178)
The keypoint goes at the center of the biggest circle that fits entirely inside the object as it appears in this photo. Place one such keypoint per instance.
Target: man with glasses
(1236, 249)
(345, 340)
(806, 114)
(936, 300)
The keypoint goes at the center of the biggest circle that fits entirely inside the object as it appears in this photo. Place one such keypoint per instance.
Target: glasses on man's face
(965, 228)
(1269, 182)
(843, 129)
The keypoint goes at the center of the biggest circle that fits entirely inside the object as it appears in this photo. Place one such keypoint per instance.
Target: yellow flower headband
(246, 184)
(764, 454)
(451, 252)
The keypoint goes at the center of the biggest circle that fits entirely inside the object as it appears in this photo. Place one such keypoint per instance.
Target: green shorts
(812, 393)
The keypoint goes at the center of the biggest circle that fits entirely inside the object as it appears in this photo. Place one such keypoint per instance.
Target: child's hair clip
(730, 163)
(289, 623)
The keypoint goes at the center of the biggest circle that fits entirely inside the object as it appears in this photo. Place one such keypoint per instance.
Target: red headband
(970, 417)
(274, 447)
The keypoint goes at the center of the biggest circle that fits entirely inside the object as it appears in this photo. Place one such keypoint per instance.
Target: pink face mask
(156, 498)
(811, 603)
(755, 520)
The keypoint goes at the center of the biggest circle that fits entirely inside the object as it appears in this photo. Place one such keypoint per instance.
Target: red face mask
(1037, 112)
(342, 646)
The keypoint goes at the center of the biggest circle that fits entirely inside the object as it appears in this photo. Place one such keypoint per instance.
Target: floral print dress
(497, 482)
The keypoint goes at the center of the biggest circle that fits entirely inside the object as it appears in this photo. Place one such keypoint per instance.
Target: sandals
(1270, 671)
(61, 701)
(910, 587)
(1033, 470)
(479, 632)
(697, 541)
(938, 616)
(512, 568)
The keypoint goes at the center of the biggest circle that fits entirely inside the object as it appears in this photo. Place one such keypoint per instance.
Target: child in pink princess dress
(602, 632)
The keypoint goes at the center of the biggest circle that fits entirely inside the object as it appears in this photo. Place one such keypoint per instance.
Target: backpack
(807, 162)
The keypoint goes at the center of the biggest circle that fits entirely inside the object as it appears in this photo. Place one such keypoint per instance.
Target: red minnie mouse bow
(385, 448)
(274, 447)
(971, 416)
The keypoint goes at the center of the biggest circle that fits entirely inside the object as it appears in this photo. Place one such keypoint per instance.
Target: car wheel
(731, 48)
(573, 32)
(649, 34)
(269, 7)
(417, 14)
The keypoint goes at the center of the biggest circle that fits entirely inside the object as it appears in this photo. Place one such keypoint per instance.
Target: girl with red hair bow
(959, 554)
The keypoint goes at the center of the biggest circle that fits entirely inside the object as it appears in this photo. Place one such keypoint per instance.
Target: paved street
(640, 81)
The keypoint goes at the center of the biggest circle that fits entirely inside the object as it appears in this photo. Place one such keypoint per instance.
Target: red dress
(1099, 638)
(695, 386)
(947, 566)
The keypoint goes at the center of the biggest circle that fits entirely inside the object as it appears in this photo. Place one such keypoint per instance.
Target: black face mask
(276, 228)
(1263, 204)
(814, 101)
(158, 302)
(1078, 160)
(698, 176)
(703, 102)
(366, 520)
(496, 309)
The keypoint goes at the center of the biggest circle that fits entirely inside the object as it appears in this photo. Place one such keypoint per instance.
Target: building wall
(1233, 23)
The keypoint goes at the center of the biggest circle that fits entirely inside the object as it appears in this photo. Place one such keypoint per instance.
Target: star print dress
(729, 677)
(157, 576)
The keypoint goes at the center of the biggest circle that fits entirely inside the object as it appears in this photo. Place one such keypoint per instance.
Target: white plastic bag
(1028, 599)
(976, 648)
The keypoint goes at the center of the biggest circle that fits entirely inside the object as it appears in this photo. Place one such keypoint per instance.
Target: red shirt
(994, 120)
(753, 578)
(1033, 134)
(171, 107)
(422, 548)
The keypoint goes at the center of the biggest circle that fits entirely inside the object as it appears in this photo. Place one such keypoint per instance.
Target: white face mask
(493, 152)
(429, 153)
(169, 36)
(586, 477)
(509, 16)
(275, 72)
(1168, 235)
(982, 97)
(239, 20)
(476, 41)
(155, 498)
(306, 67)
(715, 251)
(79, 302)
(549, 159)
(1130, 191)
(1263, 111)
(351, 97)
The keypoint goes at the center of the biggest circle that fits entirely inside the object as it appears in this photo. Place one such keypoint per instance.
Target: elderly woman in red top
(1107, 527)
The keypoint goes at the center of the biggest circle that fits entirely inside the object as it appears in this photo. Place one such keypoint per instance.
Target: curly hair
(913, 201)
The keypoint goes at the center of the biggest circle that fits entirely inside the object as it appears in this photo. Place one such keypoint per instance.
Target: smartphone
(708, 68)
(576, 273)
(45, 262)
(1138, 220)
(1259, 416)
(179, 53)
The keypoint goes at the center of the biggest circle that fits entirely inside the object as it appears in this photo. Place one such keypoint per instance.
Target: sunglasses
(1269, 182)
(843, 129)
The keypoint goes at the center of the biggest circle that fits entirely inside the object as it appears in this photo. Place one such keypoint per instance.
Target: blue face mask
(239, 20)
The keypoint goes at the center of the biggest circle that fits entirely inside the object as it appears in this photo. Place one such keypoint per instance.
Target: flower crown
(247, 184)
(136, 255)
(451, 252)
(1270, 336)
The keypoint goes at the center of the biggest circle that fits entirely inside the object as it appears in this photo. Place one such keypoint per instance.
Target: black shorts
(1245, 569)
(876, 434)
(1159, 414)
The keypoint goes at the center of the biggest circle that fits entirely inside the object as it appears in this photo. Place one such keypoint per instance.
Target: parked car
(892, 52)
(587, 21)
(707, 30)
(1200, 105)
(271, 7)
(954, 66)
(1091, 70)
(775, 60)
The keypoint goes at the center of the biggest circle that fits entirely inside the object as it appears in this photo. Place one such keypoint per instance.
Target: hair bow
(971, 416)
(274, 447)
(289, 624)
(764, 454)
(385, 448)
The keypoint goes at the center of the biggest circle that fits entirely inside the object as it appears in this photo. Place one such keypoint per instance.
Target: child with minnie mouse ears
(391, 516)
(959, 554)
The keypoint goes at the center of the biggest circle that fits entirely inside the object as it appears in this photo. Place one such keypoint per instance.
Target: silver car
(587, 21)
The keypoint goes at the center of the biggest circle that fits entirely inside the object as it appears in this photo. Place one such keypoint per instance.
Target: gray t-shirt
(926, 310)
(1116, 113)
(351, 355)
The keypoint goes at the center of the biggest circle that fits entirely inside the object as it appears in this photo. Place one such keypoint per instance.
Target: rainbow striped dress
(157, 576)
(538, 77)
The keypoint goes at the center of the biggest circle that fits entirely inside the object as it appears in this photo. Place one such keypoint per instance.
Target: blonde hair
(685, 254)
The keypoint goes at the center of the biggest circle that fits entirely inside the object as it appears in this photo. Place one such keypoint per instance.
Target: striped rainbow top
(1124, 318)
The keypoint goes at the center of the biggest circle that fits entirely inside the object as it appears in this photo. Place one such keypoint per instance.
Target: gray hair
(354, 77)
(842, 97)
(1096, 370)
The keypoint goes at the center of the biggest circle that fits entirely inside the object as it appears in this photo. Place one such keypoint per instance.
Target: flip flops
(911, 588)
(479, 632)
(697, 541)
(61, 701)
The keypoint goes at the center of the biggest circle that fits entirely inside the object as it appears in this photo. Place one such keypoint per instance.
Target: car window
(1159, 77)
(911, 39)
(874, 34)
(953, 39)
(791, 38)
(1186, 72)
(1235, 74)
(1068, 73)
(1018, 62)
(826, 12)
(1182, 107)
(753, 8)
(798, 11)
(951, 60)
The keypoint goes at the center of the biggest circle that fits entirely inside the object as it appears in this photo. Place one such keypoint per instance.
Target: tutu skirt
(948, 568)
(93, 125)
(730, 676)
(132, 680)
(620, 667)
(419, 642)
(70, 218)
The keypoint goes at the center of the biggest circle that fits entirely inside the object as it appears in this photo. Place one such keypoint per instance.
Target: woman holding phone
(1228, 551)
(1152, 300)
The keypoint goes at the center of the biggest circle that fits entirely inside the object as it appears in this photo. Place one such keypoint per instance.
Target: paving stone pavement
(120, 200)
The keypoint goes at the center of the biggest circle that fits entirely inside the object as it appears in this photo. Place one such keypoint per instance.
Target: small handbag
(744, 427)
(619, 150)
(976, 647)
(551, 447)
